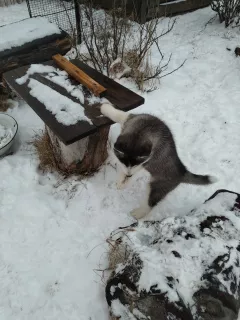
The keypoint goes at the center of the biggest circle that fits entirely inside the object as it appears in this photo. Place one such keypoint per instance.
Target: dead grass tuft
(45, 153)
(142, 70)
(48, 161)
(4, 102)
(131, 58)
(118, 253)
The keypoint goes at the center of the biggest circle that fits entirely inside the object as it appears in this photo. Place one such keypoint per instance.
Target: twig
(174, 70)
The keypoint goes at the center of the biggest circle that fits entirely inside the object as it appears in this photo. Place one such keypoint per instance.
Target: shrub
(227, 10)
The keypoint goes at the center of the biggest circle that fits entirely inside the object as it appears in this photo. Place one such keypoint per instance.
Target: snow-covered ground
(26, 31)
(13, 13)
(53, 231)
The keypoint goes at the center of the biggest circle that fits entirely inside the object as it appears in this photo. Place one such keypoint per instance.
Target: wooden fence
(165, 8)
(144, 10)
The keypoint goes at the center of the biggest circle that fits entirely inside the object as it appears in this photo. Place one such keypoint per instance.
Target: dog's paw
(121, 184)
(106, 109)
(139, 213)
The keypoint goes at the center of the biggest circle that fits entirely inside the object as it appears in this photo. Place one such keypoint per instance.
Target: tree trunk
(85, 156)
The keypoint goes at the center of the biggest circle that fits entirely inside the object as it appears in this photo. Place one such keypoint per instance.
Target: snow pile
(35, 68)
(6, 135)
(178, 258)
(61, 78)
(65, 110)
(19, 33)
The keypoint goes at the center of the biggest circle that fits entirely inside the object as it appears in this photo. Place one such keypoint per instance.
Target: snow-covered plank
(19, 33)
(71, 131)
(30, 41)
(66, 133)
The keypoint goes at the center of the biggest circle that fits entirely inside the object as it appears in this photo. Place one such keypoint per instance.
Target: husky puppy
(145, 142)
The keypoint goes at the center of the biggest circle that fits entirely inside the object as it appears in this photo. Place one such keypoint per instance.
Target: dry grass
(47, 159)
(141, 70)
(45, 153)
(49, 162)
(4, 102)
(116, 255)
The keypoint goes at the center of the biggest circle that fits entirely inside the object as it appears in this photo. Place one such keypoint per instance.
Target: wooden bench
(83, 143)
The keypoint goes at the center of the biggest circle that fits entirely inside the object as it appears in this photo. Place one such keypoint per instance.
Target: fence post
(143, 11)
(29, 8)
(78, 17)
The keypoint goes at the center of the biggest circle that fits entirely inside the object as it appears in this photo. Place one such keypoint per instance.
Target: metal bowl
(9, 123)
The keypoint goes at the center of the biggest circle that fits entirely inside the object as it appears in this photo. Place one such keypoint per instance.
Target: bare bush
(110, 36)
(227, 10)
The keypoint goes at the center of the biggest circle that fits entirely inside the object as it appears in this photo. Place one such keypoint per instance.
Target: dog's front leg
(123, 180)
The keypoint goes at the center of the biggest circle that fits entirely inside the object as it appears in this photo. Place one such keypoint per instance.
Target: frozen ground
(53, 231)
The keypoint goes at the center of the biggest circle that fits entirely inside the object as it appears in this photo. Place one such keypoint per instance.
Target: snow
(6, 135)
(53, 230)
(196, 254)
(34, 68)
(119, 68)
(13, 13)
(25, 31)
(153, 259)
(65, 110)
(56, 75)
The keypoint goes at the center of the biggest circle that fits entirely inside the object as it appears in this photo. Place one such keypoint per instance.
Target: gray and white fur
(145, 142)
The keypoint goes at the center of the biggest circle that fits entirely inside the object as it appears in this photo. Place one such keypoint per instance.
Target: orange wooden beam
(96, 88)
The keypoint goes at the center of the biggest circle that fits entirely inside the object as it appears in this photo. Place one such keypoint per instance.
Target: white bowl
(9, 123)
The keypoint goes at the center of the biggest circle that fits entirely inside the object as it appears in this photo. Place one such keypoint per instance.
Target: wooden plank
(91, 111)
(29, 46)
(121, 97)
(168, 9)
(143, 11)
(67, 134)
(28, 53)
(79, 75)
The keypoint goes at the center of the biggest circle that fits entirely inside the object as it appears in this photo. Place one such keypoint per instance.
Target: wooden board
(79, 75)
(67, 134)
(162, 8)
(36, 51)
(117, 94)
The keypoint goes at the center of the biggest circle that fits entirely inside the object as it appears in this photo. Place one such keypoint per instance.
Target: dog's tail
(197, 179)
(115, 115)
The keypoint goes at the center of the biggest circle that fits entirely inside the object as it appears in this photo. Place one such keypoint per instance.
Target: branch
(174, 70)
